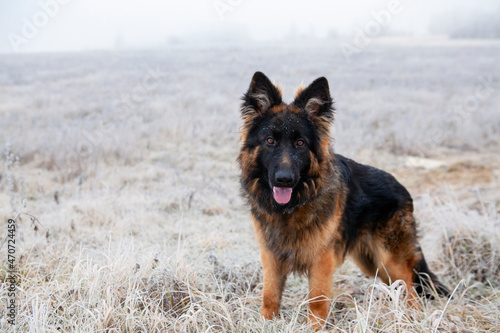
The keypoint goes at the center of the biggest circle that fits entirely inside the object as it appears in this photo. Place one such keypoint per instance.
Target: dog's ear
(261, 95)
(316, 101)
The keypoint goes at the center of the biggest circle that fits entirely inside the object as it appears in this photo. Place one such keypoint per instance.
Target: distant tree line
(484, 25)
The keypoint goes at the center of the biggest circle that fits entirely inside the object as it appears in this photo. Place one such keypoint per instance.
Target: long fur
(338, 207)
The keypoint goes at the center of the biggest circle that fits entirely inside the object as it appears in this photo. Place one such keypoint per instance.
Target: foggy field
(128, 162)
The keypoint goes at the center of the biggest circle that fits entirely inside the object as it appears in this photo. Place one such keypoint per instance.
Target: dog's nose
(284, 178)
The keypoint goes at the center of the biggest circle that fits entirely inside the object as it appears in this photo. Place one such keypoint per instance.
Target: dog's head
(284, 146)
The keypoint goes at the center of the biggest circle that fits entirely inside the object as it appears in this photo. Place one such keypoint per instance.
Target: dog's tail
(426, 283)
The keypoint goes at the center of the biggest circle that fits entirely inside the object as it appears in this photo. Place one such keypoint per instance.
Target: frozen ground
(128, 162)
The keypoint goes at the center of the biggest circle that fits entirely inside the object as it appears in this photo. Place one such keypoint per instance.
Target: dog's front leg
(320, 279)
(274, 282)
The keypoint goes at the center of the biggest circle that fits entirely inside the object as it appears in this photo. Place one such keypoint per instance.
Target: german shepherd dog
(312, 208)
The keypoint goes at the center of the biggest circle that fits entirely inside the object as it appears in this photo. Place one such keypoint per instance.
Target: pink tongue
(282, 194)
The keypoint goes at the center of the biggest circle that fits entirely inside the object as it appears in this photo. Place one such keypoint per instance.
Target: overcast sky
(73, 25)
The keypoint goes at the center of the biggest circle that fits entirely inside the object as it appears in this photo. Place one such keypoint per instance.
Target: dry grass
(145, 230)
(120, 286)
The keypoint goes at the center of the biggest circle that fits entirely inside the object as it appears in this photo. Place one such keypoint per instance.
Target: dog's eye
(300, 143)
(270, 141)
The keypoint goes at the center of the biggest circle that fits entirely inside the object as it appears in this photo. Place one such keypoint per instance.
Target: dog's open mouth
(282, 195)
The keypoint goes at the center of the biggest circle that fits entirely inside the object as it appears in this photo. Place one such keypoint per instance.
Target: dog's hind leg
(375, 260)
(394, 267)
(402, 259)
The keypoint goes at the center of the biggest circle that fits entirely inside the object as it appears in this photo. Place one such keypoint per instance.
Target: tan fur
(320, 276)
(299, 89)
(311, 239)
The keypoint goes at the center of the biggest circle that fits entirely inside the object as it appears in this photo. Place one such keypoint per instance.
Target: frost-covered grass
(87, 278)
(140, 224)
(98, 106)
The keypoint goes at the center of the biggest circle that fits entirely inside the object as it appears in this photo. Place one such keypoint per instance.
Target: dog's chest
(298, 242)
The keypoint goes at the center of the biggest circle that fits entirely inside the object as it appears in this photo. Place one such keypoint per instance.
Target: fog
(77, 25)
